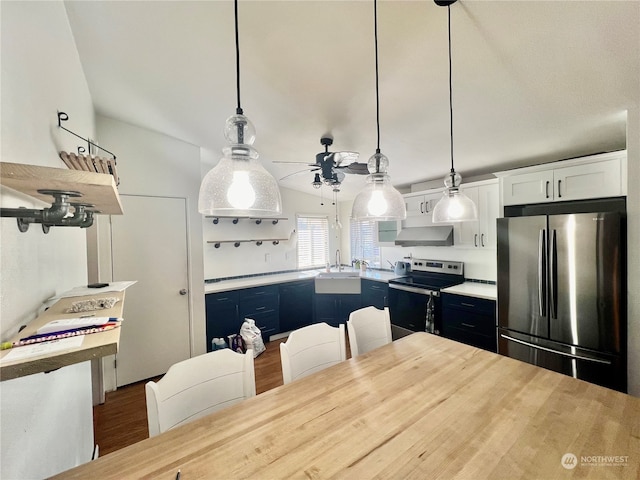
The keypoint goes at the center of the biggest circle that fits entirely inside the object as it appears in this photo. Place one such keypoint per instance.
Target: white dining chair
(198, 386)
(368, 328)
(311, 349)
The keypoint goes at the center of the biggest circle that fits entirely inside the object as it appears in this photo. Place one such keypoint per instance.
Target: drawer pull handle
(467, 304)
(261, 308)
(468, 325)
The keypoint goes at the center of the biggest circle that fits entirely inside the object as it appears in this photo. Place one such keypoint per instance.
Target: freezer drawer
(595, 367)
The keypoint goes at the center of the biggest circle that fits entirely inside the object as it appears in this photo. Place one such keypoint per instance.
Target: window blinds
(364, 242)
(313, 241)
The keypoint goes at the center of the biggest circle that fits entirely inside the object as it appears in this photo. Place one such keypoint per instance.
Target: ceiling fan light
(379, 200)
(317, 182)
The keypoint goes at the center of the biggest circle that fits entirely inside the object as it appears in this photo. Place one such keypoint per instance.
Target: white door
(149, 244)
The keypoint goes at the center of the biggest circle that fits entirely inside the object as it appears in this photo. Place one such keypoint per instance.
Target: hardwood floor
(122, 419)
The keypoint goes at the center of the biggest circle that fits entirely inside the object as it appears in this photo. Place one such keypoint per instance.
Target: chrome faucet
(338, 261)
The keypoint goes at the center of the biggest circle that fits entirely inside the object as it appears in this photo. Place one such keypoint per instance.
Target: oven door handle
(420, 291)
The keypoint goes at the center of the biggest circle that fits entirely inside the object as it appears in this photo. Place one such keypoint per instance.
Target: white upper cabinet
(596, 176)
(420, 207)
(481, 233)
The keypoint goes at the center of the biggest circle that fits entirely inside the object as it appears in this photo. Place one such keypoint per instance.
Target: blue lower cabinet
(262, 305)
(335, 308)
(221, 315)
(469, 320)
(296, 305)
(374, 293)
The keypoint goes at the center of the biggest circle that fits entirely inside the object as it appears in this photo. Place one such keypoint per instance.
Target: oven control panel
(437, 266)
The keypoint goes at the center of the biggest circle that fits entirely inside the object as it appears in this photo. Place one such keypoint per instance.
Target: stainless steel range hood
(436, 236)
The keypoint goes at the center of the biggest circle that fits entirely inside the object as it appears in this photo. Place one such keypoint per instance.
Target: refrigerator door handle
(542, 272)
(553, 278)
(557, 352)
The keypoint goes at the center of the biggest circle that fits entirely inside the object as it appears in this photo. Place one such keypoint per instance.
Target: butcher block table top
(422, 407)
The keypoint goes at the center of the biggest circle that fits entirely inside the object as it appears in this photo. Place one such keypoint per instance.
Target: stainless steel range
(414, 300)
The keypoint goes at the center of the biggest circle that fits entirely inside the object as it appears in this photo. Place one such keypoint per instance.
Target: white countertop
(474, 289)
(257, 281)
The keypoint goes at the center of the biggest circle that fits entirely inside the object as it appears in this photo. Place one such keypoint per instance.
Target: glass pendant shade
(454, 206)
(379, 200)
(239, 185)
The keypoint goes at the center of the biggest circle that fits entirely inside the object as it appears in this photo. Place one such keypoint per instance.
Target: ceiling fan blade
(345, 157)
(294, 163)
(299, 171)
(355, 168)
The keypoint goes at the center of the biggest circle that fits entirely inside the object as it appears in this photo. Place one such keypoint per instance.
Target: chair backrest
(198, 386)
(368, 328)
(311, 349)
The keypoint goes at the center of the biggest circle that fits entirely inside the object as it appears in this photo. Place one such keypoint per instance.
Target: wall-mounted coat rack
(88, 162)
(235, 220)
(236, 243)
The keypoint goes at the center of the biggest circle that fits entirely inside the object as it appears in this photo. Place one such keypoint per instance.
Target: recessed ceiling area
(533, 81)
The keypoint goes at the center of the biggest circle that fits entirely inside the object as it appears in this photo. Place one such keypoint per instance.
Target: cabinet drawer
(472, 322)
(258, 292)
(486, 342)
(267, 323)
(221, 300)
(470, 304)
(251, 306)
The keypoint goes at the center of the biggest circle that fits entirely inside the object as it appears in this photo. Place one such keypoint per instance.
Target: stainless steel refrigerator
(562, 294)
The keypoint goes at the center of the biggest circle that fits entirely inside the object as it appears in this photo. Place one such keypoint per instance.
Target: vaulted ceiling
(533, 81)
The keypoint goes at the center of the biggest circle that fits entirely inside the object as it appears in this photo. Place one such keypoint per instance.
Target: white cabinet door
(593, 180)
(466, 234)
(488, 212)
(535, 187)
(415, 205)
(420, 208)
(482, 232)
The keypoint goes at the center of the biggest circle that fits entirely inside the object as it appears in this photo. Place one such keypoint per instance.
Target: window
(363, 242)
(313, 241)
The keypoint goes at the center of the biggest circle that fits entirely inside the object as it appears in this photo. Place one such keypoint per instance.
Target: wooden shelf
(98, 189)
(95, 345)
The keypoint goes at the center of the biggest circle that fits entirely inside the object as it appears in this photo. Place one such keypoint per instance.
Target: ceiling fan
(332, 166)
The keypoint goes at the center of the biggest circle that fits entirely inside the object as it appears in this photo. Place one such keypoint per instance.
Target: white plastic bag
(252, 336)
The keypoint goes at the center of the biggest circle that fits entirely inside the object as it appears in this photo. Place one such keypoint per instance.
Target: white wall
(154, 164)
(248, 258)
(41, 74)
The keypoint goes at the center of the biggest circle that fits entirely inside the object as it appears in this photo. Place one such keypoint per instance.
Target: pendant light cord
(450, 90)
(375, 36)
(238, 107)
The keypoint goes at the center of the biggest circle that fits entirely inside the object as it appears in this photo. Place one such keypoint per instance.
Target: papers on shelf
(83, 291)
(43, 348)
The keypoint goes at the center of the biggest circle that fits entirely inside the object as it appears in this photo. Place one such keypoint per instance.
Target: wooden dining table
(422, 407)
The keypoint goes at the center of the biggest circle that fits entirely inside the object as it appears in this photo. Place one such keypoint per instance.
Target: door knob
(183, 291)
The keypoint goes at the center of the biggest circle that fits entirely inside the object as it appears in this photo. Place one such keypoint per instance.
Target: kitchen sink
(338, 282)
(338, 274)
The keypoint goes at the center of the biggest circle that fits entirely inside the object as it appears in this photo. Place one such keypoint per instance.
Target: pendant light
(239, 185)
(379, 200)
(454, 206)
